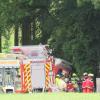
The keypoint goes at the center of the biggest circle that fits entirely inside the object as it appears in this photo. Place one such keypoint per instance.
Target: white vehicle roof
(32, 51)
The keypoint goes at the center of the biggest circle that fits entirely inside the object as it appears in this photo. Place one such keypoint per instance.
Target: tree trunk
(33, 40)
(0, 44)
(16, 40)
(45, 32)
(26, 31)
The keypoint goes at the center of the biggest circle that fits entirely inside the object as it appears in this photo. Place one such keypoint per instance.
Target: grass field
(50, 96)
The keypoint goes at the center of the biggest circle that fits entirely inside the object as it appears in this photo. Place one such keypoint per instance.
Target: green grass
(50, 96)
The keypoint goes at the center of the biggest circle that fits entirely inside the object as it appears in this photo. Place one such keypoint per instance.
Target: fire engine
(27, 69)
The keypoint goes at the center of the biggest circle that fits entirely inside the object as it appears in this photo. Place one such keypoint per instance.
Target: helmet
(74, 74)
(90, 74)
(85, 74)
(57, 75)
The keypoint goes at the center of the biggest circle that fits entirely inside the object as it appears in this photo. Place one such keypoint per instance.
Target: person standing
(75, 80)
(90, 83)
(70, 87)
(84, 80)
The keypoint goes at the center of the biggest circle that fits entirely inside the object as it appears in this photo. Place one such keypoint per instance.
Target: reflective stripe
(47, 69)
(27, 77)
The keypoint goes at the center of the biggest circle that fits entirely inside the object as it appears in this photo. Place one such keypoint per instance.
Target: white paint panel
(98, 84)
(38, 77)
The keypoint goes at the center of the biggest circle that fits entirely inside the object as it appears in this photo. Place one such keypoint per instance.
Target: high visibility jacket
(60, 83)
(75, 81)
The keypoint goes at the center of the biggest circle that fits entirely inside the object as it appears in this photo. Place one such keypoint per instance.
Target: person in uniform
(90, 83)
(74, 80)
(61, 84)
(84, 80)
(70, 86)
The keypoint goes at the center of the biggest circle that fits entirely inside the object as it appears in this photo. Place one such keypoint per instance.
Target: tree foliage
(77, 36)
